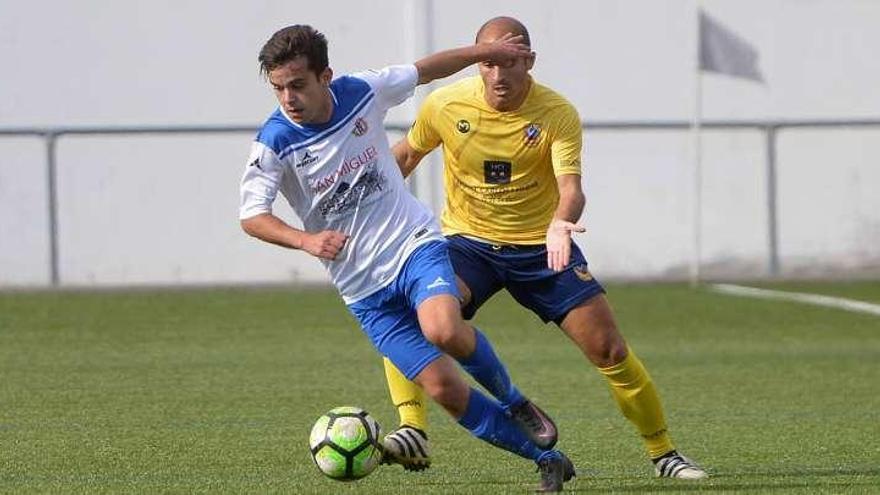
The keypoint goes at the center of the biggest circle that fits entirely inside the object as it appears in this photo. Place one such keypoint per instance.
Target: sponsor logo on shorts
(582, 273)
(438, 282)
(463, 126)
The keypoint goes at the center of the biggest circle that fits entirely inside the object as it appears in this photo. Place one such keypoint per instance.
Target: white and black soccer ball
(345, 443)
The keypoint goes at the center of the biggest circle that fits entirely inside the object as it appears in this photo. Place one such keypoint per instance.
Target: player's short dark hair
(516, 27)
(291, 42)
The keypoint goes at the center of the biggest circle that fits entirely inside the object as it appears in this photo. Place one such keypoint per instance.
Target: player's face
(506, 85)
(304, 96)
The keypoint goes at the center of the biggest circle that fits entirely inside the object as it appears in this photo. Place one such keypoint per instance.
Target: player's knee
(612, 350)
(603, 345)
(452, 337)
(450, 391)
(592, 327)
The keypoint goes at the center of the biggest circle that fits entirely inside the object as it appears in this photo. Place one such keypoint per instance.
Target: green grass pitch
(214, 391)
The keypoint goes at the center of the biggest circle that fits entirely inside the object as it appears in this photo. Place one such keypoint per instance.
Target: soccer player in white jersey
(326, 151)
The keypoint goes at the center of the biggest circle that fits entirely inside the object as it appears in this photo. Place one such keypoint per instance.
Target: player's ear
(530, 60)
(326, 76)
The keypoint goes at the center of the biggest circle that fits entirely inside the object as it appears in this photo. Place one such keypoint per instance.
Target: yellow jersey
(500, 167)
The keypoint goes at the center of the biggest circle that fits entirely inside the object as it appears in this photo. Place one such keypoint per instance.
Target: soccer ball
(345, 443)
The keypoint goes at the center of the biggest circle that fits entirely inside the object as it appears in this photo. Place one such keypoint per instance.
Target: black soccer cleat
(555, 470)
(536, 424)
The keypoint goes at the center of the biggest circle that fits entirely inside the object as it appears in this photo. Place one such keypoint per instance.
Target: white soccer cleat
(675, 465)
(407, 446)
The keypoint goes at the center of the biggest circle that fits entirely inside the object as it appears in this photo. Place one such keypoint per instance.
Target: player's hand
(325, 244)
(559, 243)
(507, 49)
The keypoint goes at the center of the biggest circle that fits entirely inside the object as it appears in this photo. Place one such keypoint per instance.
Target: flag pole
(720, 50)
(696, 140)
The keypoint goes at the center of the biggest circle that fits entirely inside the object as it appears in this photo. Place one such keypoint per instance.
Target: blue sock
(485, 419)
(489, 372)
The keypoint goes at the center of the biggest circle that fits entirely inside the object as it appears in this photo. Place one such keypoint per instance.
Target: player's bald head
(496, 27)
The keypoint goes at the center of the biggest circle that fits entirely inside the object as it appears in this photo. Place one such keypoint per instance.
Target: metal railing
(50, 135)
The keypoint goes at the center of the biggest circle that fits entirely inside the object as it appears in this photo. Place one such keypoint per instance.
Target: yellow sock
(407, 397)
(637, 398)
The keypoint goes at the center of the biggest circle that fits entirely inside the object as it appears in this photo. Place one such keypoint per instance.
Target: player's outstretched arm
(406, 156)
(448, 62)
(571, 205)
(267, 227)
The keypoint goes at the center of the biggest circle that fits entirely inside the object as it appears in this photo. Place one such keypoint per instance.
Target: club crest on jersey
(583, 273)
(463, 126)
(307, 159)
(532, 134)
(360, 127)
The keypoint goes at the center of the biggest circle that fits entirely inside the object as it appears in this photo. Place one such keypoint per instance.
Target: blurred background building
(161, 208)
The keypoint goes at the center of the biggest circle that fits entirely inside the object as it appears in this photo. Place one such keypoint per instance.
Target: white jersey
(342, 176)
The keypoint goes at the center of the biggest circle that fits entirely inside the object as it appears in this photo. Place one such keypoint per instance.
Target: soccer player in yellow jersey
(512, 155)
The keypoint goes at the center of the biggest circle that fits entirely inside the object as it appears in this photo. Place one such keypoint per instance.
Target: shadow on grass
(749, 481)
(818, 471)
(726, 482)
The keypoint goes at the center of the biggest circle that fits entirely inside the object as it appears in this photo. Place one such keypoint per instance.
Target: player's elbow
(579, 200)
(250, 225)
(407, 167)
(405, 157)
(571, 193)
(426, 74)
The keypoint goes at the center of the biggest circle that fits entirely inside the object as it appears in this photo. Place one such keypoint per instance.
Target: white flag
(725, 52)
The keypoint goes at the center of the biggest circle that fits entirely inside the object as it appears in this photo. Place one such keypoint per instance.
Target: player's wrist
(297, 240)
(481, 52)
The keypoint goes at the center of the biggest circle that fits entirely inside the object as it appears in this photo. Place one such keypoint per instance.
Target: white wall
(162, 209)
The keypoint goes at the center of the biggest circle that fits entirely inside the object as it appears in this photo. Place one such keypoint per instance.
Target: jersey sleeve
(423, 135)
(260, 182)
(565, 150)
(393, 84)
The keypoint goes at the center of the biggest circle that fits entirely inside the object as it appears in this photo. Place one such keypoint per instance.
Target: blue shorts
(522, 270)
(389, 318)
